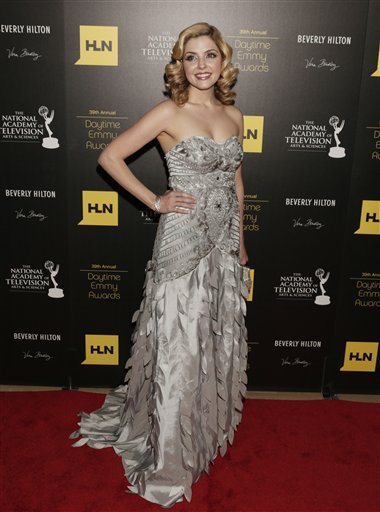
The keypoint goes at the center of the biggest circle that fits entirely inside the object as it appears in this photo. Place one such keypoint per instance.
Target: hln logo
(100, 208)
(369, 218)
(103, 208)
(103, 46)
(102, 349)
(357, 356)
(360, 356)
(98, 46)
(253, 134)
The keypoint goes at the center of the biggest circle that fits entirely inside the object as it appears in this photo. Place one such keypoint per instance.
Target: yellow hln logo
(253, 134)
(251, 275)
(369, 219)
(98, 46)
(360, 356)
(100, 208)
(377, 72)
(102, 349)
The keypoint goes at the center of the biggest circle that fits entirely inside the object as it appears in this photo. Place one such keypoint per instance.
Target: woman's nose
(201, 62)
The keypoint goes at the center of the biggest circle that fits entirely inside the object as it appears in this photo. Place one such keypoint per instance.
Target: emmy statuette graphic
(55, 293)
(322, 300)
(336, 151)
(48, 142)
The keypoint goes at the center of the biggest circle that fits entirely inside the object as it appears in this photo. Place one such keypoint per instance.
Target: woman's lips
(203, 76)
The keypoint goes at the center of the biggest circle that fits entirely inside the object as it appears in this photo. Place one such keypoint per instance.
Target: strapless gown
(183, 393)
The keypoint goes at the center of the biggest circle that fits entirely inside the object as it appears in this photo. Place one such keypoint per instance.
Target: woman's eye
(189, 57)
(212, 55)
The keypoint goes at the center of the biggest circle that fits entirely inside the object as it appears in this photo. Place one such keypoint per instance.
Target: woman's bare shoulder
(166, 107)
(234, 112)
(158, 118)
(237, 118)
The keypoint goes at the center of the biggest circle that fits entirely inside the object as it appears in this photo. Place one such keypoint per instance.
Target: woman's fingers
(182, 209)
(183, 197)
(177, 202)
(184, 202)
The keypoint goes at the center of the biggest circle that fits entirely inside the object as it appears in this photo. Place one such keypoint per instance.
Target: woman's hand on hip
(177, 202)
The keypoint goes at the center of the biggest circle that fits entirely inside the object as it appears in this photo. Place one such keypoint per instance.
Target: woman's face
(202, 62)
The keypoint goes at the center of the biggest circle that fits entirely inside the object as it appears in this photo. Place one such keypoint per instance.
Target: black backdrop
(75, 244)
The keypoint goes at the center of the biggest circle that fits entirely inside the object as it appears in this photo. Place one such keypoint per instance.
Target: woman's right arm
(143, 131)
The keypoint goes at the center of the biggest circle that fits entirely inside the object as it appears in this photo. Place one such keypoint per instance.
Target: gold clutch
(246, 276)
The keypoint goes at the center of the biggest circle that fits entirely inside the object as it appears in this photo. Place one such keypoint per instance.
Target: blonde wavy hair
(175, 78)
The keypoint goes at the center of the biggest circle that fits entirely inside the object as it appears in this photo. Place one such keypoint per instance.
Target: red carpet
(293, 456)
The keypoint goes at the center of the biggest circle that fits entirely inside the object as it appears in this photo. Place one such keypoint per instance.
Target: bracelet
(157, 204)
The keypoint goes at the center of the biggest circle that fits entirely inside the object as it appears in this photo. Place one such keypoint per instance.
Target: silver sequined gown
(186, 379)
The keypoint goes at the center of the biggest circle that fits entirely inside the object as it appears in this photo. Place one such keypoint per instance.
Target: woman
(186, 380)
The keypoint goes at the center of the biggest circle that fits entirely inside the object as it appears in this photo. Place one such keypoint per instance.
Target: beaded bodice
(205, 168)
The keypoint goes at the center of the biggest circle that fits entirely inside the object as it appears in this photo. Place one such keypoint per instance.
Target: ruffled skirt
(186, 381)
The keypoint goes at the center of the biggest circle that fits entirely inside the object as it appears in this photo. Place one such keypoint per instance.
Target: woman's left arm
(243, 256)
(240, 194)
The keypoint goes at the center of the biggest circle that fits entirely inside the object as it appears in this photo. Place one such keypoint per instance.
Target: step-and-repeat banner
(75, 244)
